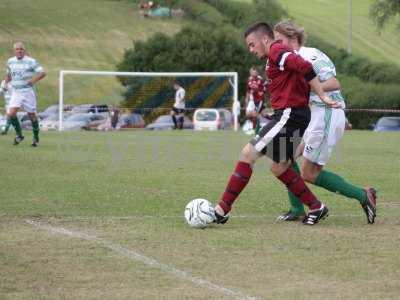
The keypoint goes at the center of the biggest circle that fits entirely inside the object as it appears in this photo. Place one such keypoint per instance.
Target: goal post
(232, 76)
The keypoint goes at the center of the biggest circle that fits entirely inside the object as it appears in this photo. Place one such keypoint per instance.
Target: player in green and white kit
(324, 131)
(23, 72)
(6, 90)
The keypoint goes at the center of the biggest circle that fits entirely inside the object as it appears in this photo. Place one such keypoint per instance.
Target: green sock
(8, 124)
(15, 122)
(334, 183)
(35, 129)
(296, 206)
(258, 127)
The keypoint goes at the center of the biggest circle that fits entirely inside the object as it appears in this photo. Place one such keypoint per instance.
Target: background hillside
(328, 20)
(76, 34)
(92, 34)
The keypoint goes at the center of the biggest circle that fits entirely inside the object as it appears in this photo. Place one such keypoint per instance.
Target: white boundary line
(135, 256)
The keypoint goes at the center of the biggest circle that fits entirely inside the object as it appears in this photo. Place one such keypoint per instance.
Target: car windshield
(78, 117)
(389, 122)
(206, 115)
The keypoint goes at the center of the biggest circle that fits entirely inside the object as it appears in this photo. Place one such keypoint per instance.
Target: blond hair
(291, 31)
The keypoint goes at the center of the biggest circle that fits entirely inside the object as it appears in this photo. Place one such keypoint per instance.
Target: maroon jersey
(288, 75)
(256, 87)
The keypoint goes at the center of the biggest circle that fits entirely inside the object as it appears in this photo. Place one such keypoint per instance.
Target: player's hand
(328, 101)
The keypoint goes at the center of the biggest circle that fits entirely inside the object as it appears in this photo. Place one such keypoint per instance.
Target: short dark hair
(260, 27)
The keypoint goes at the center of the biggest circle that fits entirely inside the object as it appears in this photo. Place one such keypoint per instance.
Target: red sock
(236, 184)
(254, 120)
(297, 186)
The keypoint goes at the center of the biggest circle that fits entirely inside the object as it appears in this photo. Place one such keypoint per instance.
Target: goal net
(151, 93)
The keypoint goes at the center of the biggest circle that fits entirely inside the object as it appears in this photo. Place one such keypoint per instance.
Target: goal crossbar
(231, 75)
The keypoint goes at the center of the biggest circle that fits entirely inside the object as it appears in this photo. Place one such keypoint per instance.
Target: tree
(194, 49)
(382, 11)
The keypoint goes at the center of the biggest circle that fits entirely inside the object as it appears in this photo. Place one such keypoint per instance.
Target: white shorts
(325, 130)
(25, 99)
(251, 107)
(7, 105)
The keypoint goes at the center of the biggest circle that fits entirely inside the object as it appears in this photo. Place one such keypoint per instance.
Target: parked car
(53, 110)
(83, 121)
(90, 108)
(164, 122)
(131, 121)
(52, 122)
(212, 119)
(387, 124)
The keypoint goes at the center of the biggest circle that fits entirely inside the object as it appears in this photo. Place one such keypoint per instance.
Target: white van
(212, 119)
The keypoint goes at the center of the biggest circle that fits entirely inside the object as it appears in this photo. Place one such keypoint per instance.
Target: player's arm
(325, 69)
(332, 84)
(39, 73)
(37, 77)
(317, 88)
(7, 77)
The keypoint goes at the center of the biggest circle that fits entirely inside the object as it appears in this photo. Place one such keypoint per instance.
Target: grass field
(100, 216)
(76, 34)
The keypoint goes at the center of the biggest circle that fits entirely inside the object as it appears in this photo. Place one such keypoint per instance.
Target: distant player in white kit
(178, 110)
(324, 131)
(6, 90)
(23, 72)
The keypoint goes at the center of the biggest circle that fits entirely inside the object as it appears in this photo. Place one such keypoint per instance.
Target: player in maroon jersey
(289, 80)
(254, 101)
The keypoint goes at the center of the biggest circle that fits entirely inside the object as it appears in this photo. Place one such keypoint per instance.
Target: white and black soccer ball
(199, 213)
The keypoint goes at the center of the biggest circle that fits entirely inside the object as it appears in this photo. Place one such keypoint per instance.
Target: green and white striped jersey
(324, 68)
(21, 71)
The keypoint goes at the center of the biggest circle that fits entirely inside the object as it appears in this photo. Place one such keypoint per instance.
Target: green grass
(328, 19)
(130, 188)
(76, 34)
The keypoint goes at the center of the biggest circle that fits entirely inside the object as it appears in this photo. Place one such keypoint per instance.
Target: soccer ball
(199, 213)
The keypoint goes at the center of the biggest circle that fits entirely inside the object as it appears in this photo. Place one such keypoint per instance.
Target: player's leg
(244, 168)
(29, 105)
(332, 182)
(35, 128)
(237, 182)
(180, 119)
(250, 111)
(296, 211)
(16, 124)
(8, 122)
(318, 155)
(173, 116)
(285, 149)
(296, 185)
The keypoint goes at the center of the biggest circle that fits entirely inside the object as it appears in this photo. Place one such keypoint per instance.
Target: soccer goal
(149, 92)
